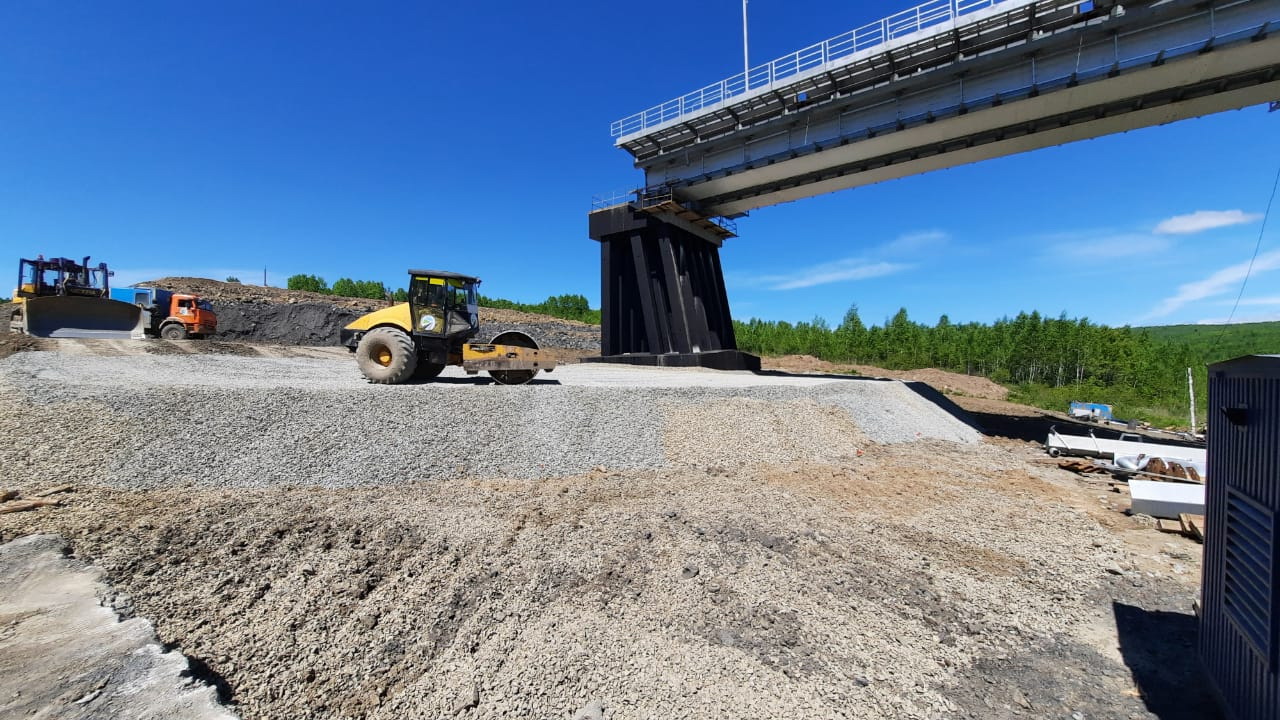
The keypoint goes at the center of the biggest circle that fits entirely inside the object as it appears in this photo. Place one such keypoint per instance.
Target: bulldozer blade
(81, 317)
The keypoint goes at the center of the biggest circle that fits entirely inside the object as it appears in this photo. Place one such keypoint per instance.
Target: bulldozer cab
(443, 304)
(62, 277)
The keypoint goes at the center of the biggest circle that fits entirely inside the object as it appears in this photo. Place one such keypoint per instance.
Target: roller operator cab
(418, 338)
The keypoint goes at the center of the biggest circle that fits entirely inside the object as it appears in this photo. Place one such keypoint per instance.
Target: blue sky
(359, 139)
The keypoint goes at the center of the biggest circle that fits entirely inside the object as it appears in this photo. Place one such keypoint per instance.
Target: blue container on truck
(145, 298)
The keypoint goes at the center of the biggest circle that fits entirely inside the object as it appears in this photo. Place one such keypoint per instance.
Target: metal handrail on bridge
(898, 25)
(646, 198)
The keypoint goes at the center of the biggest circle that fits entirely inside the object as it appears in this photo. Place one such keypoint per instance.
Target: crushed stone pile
(255, 422)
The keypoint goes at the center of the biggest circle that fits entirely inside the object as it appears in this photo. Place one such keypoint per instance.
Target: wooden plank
(1169, 526)
(21, 505)
(1192, 526)
(55, 490)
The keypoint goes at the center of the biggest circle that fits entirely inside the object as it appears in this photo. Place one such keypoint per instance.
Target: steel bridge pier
(663, 300)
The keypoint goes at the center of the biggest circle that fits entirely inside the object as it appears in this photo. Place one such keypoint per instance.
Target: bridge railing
(920, 17)
(651, 197)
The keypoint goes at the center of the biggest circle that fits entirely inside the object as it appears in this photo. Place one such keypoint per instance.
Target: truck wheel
(428, 371)
(173, 332)
(386, 356)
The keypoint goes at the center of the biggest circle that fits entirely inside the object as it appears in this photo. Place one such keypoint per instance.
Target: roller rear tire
(386, 356)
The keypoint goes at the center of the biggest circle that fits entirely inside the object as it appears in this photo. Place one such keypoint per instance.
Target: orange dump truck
(170, 315)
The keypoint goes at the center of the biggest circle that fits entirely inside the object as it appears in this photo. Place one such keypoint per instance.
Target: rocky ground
(775, 551)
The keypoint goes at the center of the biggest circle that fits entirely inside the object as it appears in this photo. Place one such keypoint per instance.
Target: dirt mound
(948, 382)
(255, 313)
(783, 593)
(945, 381)
(216, 291)
(11, 343)
(302, 323)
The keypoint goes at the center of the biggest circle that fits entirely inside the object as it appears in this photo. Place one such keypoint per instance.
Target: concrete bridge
(942, 84)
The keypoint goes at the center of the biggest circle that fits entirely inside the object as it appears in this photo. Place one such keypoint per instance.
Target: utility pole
(264, 276)
(1191, 390)
(746, 64)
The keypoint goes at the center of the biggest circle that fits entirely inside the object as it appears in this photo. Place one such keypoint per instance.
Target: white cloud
(915, 243)
(1202, 220)
(1111, 247)
(1224, 280)
(879, 262)
(837, 271)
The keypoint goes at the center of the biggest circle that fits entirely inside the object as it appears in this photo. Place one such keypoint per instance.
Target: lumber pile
(1081, 467)
(1187, 525)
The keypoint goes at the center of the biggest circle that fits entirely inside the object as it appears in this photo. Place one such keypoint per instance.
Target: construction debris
(56, 490)
(1192, 526)
(1129, 445)
(21, 505)
(1082, 467)
(1166, 499)
(6, 495)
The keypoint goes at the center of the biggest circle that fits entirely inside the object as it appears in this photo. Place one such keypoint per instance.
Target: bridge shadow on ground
(1159, 648)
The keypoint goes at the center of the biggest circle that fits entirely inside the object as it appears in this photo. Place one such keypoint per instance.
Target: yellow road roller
(415, 340)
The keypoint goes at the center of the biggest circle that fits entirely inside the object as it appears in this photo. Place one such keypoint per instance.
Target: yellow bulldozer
(415, 340)
(65, 298)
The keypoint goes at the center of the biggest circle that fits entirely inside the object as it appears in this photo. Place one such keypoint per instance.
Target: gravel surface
(249, 422)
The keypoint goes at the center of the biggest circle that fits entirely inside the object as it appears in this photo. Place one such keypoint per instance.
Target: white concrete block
(1166, 499)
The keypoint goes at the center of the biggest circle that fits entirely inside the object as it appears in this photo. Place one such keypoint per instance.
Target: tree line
(345, 287)
(568, 307)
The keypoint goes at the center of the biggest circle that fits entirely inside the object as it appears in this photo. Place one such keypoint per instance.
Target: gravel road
(221, 420)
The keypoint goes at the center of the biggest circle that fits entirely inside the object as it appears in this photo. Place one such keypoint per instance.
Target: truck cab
(192, 314)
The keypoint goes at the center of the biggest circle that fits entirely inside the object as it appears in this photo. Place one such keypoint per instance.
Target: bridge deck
(925, 100)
